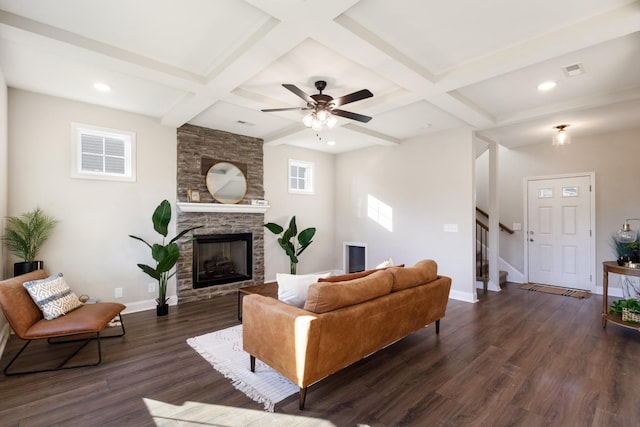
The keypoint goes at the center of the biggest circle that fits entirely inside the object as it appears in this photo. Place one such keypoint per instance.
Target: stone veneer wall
(195, 144)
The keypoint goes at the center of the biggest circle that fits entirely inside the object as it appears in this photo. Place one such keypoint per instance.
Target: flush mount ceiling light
(101, 87)
(561, 135)
(546, 86)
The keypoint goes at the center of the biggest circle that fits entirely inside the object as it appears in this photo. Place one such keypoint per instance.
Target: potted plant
(285, 240)
(165, 255)
(626, 251)
(24, 236)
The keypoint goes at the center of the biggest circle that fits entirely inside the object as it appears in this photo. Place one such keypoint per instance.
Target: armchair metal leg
(437, 326)
(62, 365)
(252, 361)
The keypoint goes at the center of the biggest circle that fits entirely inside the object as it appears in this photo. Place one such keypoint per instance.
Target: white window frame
(129, 139)
(309, 166)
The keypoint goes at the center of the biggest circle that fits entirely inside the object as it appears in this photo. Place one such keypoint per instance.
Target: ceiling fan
(323, 107)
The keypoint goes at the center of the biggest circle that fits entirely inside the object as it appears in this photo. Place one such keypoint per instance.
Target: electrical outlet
(151, 287)
(118, 292)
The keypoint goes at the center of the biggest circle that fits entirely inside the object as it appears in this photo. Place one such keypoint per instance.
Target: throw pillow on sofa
(385, 264)
(328, 296)
(53, 296)
(292, 288)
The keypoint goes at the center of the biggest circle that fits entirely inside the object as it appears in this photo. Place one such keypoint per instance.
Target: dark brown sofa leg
(438, 326)
(253, 363)
(303, 396)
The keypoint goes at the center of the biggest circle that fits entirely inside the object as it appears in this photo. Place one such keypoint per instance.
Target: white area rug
(223, 349)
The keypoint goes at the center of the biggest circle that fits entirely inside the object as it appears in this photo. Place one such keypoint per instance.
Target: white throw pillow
(292, 288)
(386, 263)
(53, 296)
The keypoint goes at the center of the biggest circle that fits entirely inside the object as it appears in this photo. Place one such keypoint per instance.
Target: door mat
(556, 290)
(223, 349)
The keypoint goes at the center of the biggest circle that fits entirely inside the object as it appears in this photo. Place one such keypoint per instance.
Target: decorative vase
(27, 267)
(162, 310)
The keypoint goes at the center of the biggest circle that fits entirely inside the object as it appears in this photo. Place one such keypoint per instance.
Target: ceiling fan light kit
(323, 107)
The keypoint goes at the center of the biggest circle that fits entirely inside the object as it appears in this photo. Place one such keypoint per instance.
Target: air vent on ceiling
(573, 70)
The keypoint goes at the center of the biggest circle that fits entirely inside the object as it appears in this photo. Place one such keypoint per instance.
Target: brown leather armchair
(83, 324)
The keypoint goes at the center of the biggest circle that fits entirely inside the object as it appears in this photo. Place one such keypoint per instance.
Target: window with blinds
(101, 153)
(300, 177)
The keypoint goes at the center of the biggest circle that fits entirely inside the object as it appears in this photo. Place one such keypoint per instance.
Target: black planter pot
(162, 310)
(27, 267)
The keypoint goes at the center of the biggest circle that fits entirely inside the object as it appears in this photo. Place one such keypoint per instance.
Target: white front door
(559, 235)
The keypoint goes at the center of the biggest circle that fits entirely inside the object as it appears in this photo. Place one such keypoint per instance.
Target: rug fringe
(228, 372)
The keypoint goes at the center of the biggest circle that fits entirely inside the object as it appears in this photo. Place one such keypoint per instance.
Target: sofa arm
(281, 335)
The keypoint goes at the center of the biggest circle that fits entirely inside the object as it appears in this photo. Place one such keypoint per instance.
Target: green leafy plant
(630, 304)
(304, 239)
(25, 234)
(165, 255)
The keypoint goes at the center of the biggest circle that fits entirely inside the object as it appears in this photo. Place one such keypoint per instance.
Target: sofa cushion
(292, 288)
(351, 276)
(328, 296)
(403, 278)
(53, 296)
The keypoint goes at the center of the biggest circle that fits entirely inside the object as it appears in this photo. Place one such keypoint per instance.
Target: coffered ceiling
(432, 65)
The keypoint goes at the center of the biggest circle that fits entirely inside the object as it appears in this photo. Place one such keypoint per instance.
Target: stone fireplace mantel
(220, 207)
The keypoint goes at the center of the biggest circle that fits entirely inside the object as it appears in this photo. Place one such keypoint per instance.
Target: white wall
(90, 245)
(429, 182)
(614, 157)
(315, 210)
(4, 162)
(4, 326)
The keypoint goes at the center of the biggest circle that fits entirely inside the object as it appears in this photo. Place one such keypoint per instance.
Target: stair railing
(482, 245)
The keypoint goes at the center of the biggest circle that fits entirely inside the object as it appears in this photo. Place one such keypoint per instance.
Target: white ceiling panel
(49, 73)
(441, 35)
(517, 91)
(192, 35)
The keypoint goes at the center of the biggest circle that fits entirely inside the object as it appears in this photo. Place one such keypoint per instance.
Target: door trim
(592, 206)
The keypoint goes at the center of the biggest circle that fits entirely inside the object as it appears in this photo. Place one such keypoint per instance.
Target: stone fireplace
(198, 149)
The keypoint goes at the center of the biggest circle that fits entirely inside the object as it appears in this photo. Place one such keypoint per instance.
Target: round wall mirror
(226, 183)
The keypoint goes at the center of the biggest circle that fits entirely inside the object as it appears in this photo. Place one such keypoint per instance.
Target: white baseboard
(150, 304)
(490, 286)
(462, 296)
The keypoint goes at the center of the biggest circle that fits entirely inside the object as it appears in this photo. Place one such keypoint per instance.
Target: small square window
(300, 177)
(101, 153)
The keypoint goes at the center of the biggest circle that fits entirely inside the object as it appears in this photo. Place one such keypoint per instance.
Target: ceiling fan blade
(271, 110)
(301, 94)
(352, 97)
(353, 116)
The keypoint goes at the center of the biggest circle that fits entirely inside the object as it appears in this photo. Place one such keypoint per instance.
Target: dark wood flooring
(516, 358)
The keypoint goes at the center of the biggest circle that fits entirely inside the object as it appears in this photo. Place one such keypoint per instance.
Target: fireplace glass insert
(222, 258)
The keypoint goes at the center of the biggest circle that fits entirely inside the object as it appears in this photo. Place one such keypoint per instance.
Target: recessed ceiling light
(102, 87)
(545, 86)
(331, 142)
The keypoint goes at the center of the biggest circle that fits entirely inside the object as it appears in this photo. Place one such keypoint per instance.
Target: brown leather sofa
(342, 322)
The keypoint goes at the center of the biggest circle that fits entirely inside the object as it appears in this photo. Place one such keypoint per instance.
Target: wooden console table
(613, 267)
